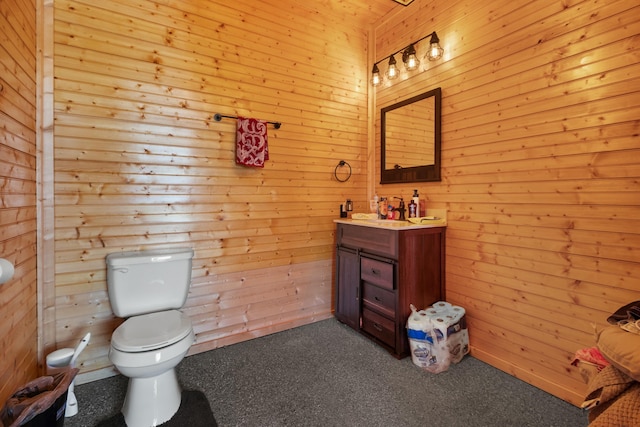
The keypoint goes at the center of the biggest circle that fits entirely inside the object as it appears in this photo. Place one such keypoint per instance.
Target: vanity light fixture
(435, 51)
(375, 75)
(409, 58)
(392, 71)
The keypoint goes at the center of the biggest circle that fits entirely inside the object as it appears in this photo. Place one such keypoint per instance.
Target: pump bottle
(416, 200)
(382, 208)
(413, 209)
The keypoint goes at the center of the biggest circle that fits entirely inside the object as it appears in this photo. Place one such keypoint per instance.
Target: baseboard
(575, 397)
(246, 335)
(96, 375)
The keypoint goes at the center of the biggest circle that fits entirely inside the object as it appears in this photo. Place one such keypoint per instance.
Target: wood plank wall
(18, 315)
(540, 166)
(140, 162)
(541, 170)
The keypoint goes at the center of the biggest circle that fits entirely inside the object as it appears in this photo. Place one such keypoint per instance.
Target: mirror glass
(410, 139)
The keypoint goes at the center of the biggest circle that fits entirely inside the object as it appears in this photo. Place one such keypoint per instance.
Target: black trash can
(39, 403)
(54, 416)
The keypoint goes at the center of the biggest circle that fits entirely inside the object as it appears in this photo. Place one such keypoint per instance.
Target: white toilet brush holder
(67, 357)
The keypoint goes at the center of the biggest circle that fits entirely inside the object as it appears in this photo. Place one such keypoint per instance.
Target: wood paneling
(540, 164)
(18, 315)
(139, 162)
(540, 153)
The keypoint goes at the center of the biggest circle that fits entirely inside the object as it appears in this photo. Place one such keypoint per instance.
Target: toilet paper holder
(6, 270)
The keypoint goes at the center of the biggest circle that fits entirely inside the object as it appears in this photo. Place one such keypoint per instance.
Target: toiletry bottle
(391, 212)
(413, 209)
(416, 199)
(382, 213)
(349, 205)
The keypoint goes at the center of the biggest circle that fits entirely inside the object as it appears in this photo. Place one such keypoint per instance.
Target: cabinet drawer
(379, 326)
(371, 239)
(377, 272)
(381, 300)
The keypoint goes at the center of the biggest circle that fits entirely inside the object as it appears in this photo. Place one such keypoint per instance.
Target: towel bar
(217, 117)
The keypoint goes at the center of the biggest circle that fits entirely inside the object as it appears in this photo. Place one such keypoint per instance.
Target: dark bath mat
(194, 411)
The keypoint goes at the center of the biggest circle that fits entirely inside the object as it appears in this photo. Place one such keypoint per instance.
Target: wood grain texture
(540, 152)
(540, 164)
(18, 297)
(140, 163)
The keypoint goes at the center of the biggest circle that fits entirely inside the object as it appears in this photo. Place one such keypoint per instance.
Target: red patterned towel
(251, 142)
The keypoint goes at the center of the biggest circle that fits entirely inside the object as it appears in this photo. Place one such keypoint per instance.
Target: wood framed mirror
(410, 139)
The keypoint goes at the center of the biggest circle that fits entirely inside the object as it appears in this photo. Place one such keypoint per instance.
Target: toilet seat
(151, 331)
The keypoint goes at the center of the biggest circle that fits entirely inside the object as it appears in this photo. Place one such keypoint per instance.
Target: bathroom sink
(367, 216)
(425, 220)
(411, 222)
(373, 220)
(434, 218)
(395, 224)
(390, 223)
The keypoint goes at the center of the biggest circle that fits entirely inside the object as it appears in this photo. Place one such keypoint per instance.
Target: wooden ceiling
(361, 12)
(373, 9)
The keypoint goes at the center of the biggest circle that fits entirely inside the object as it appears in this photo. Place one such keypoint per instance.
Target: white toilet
(149, 287)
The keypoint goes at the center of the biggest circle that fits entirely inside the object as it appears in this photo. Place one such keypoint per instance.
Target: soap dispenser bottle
(413, 209)
(416, 200)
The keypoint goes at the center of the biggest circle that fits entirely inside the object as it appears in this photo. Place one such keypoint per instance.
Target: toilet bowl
(148, 288)
(146, 349)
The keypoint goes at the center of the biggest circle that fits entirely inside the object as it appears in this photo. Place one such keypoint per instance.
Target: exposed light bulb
(435, 51)
(376, 79)
(392, 71)
(409, 58)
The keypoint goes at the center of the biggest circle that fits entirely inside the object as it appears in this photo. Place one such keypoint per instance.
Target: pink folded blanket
(251, 142)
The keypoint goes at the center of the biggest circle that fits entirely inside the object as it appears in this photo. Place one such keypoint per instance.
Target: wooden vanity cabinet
(348, 291)
(380, 272)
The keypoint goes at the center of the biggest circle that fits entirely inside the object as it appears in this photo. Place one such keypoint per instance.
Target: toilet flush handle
(121, 269)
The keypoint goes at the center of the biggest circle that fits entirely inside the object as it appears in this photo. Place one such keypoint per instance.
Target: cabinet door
(348, 287)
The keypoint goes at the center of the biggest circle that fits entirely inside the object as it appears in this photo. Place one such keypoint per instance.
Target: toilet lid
(151, 331)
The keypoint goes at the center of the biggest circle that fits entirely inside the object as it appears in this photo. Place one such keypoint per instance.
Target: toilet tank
(141, 282)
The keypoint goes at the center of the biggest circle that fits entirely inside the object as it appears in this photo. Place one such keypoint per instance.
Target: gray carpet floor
(326, 374)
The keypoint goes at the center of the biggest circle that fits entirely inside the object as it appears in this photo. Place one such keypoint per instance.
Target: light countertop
(440, 214)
